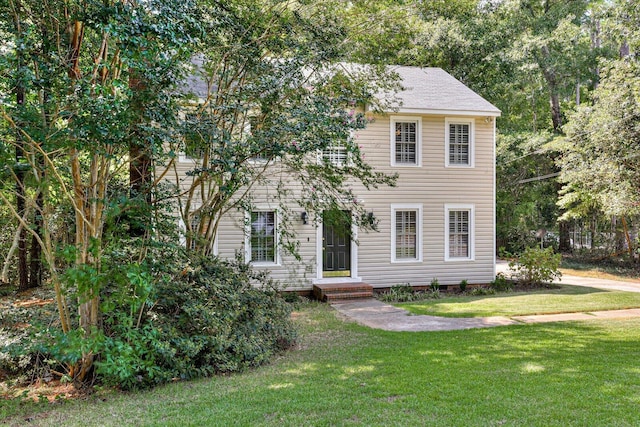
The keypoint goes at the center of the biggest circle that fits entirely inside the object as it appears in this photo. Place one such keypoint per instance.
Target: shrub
(434, 294)
(480, 291)
(400, 293)
(536, 266)
(501, 283)
(463, 285)
(434, 285)
(207, 320)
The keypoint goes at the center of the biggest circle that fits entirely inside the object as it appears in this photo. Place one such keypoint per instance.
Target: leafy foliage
(537, 266)
(400, 293)
(501, 283)
(264, 109)
(601, 162)
(209, 319)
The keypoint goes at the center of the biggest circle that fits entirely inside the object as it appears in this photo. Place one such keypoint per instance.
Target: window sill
(406, 261)
(264, 264)
(459, 259)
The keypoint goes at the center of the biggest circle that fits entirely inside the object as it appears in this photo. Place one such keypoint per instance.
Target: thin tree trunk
(35, 264)
(627, 237)
(4, 276)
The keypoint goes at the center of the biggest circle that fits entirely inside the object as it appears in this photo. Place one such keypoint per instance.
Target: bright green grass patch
(564, 299)
(342, 374)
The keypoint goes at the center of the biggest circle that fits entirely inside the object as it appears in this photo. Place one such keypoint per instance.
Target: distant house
(438, 222)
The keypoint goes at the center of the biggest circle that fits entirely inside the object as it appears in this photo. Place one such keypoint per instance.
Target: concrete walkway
(376, 314)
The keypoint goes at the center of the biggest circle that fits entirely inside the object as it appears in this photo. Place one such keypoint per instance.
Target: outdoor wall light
(303, 217)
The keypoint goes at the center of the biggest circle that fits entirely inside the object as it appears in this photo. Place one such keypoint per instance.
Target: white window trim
(348, 161)
(472, 141)
(472, 231)
(247, 238)
(183, 158)
(392, 140)
(419, 238)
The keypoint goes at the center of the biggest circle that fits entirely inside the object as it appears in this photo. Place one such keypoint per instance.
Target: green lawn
(560, 374)
(564, 299)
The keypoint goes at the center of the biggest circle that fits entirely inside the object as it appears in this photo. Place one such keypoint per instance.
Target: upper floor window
(337, 155)
(195, 141)
(406, 141)
(459, 142)
(459, 232)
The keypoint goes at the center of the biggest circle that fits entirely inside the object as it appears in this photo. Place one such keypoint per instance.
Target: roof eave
(444, 112)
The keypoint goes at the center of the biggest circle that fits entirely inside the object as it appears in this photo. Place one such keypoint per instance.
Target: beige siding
(432, 185)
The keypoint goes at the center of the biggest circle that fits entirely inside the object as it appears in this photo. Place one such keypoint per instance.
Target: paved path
(376, 314)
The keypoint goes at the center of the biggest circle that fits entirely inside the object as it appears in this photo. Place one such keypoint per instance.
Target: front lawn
(560, 374)
(560, 299)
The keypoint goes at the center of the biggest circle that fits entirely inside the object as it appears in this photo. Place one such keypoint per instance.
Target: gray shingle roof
(434, 90)
(425, 90)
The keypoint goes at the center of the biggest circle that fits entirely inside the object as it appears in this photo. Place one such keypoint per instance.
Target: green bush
(403, 292)
(501, 283)
(480, 291)
(536, 266)
(463, 285)
(208, 319)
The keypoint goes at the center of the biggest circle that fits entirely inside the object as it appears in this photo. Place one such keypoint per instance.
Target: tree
(600, 160)
(107, 87)
(269, 100)
(76, 71)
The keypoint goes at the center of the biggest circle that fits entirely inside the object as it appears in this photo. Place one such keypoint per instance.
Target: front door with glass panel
(336, 244)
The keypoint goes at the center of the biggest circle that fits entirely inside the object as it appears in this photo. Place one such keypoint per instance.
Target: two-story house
(439, 220)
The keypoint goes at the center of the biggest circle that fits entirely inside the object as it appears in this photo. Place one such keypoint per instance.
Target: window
(459, 232)
(336, 155)
(459, 137)
(262, 239)
(194, 235)
(406, 233)
(406, 141)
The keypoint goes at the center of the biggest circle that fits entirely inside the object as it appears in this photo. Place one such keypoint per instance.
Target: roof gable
(433, 90)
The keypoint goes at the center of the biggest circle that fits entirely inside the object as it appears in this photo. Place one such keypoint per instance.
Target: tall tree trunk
(139, 160)
(21, 194)
(554, 97)
(556, 115)
(35, 263)
(23, 272)
(36, 258)
(564, 233)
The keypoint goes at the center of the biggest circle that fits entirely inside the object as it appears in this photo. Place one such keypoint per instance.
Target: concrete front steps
(332, 292)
